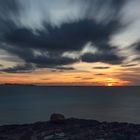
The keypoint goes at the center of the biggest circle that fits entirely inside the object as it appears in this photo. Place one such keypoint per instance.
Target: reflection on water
(30, 104)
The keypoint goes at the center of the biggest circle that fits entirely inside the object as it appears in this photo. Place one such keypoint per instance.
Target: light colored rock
(61, 134)
(48, 137)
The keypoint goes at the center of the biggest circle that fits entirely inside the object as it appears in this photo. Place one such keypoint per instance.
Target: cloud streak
(44, 45)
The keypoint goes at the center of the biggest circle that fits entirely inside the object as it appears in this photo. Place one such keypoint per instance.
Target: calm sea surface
(27, 104)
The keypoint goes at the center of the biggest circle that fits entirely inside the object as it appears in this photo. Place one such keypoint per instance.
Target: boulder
(57, 118)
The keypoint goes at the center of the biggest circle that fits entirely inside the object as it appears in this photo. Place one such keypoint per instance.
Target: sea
(22, 104)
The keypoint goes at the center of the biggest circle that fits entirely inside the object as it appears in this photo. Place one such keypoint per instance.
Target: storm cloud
(43, 46)
(137, 45)
(68, 37)
(100, 67)
(19, 69)
(109, 58)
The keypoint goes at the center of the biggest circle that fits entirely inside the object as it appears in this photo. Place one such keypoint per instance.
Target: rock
(61, 134)
(73, 129)
(57, 118)
(48, 137)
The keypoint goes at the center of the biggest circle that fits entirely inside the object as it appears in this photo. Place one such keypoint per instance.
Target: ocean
(21, 104)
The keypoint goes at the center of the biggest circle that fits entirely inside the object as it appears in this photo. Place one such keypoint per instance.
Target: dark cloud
(45, 61)
(101, 68)
(109, 58)
(60, 68)
(78, 77)
(65, 68)
(9, 11)
(52, 41)
(69, 37)
(133, 78)
(136, 59)
(137, 45)
(19, 69)
(99, 74)
(46, 79)
(129, 65)
(86, 78)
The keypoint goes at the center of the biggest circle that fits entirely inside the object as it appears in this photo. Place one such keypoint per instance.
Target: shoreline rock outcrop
(72, 129)
(57, 118)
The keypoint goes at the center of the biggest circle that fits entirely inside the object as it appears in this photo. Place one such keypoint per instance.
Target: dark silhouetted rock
(72, 129)
(57, 118)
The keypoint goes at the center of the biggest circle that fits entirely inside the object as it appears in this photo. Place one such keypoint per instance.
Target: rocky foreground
(59, 128)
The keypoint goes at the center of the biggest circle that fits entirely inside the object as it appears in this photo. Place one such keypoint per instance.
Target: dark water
(26, 104)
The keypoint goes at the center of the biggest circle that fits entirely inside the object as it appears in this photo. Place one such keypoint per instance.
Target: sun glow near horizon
(61, 78)
(109, 84)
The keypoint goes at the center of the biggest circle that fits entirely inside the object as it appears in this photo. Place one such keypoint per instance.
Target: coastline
(71, 129)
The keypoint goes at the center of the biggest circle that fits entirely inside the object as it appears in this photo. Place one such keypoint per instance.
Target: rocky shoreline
(71, 129)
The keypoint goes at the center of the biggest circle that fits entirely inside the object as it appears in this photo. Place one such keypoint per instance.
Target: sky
(70, 42)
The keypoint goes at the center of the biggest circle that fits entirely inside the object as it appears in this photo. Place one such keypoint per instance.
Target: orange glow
(110, 84)
(84, 74)
(45, 77)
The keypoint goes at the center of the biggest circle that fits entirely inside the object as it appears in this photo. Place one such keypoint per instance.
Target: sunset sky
(70, 42)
